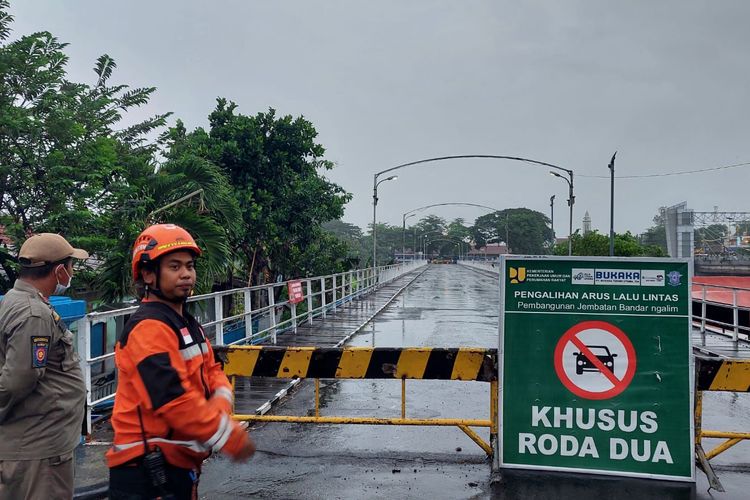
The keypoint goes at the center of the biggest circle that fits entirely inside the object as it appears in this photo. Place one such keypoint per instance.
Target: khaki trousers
(44, 479)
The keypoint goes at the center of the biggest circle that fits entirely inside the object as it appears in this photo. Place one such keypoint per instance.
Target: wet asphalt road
(448, 306)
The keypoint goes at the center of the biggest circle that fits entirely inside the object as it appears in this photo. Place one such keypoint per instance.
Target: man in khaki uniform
(42, 391)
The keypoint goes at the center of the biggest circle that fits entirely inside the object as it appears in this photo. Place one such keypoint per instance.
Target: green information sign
(596, 366)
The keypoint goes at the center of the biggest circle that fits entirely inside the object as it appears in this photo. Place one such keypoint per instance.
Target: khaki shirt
(42, 392)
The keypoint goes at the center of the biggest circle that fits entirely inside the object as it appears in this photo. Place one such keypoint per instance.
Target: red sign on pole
(295, 292)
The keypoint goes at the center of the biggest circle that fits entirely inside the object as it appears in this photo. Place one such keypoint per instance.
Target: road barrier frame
(368, 363)
(717, 374)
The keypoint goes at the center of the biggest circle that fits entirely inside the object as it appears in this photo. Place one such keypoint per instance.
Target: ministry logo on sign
(517, 275)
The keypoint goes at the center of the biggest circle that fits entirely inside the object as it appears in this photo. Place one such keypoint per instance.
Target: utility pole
(612, 206)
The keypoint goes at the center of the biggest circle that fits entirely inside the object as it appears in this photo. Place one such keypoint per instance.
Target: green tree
(211, 216)
(458, 230)
(68, 165)
(595, 244)
(525, 231)
(351, 235)
(62, 155)
(431, 224)
(250, 189)
(274, 166)
(429, 227)
(711, 236)
(389, 240)
(656, 235)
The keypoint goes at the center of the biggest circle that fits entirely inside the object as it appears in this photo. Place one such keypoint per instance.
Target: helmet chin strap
(160, 294)
(157, 292)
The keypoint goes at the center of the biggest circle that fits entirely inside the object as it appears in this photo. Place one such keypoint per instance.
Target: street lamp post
(571, 198)
(552, 214)
(403, 234)
(414, 245)
(612, 206)
(426, 240)
(455, 241)
(571, 201)
(375, 185)
(448, 204)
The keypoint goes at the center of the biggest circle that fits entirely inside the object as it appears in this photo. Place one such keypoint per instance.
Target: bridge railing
(731, 312)
(487, 265)
(248, 315)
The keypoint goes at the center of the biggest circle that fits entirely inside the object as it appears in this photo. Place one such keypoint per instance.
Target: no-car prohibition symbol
(595, 360)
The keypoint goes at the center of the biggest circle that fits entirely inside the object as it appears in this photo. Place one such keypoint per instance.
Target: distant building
(680, 230)
(586, 223)
(490, 252)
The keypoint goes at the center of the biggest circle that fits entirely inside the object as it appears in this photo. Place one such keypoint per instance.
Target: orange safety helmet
(158, 240)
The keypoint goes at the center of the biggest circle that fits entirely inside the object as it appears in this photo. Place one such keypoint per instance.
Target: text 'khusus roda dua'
(607, 420)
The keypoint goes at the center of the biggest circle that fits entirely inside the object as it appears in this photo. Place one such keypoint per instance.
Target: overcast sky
(386, 82)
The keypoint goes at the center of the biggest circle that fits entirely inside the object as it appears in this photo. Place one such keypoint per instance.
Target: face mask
(60, 288)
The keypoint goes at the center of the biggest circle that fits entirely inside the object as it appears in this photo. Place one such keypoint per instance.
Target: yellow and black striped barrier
(717, 374)
(464, 364)
(360, 362)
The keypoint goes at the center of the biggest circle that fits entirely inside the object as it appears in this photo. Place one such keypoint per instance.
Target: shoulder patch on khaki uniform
(39, 350)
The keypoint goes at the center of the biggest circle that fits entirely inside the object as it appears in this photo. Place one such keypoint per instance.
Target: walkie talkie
(155, 465)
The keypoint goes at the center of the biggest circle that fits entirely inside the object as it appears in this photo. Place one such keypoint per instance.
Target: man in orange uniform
(173, 402)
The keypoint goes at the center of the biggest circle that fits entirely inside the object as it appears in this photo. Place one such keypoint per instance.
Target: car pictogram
(584, 364)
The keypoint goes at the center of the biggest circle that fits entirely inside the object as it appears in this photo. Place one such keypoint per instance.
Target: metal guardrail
(486, 265)
(400, 363)
(737, 331)
(247, 315)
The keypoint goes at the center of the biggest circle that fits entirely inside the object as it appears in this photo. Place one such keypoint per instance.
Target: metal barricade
(423, 363)
(717, 374)
(249, 315)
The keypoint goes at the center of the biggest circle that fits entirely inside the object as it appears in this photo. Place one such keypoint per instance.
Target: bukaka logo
(645, 277)
(617, 277)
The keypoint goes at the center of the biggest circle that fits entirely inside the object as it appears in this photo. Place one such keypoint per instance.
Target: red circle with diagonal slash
(619, 384)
